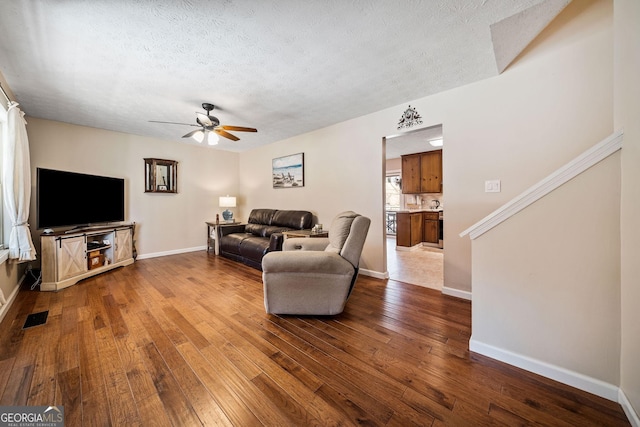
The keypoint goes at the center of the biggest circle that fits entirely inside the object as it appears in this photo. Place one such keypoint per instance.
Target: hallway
(422, 267)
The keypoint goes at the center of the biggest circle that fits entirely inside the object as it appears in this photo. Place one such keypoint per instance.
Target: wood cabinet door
(403, 230)
(124, 245)
(71, 257)
(430, 231)
(416, 228)
(431, 172)
(411, 174)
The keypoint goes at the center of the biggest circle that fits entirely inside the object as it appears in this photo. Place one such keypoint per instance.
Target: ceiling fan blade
(172, 123)
(226, 134)
(190, 134)
(203, 119)
(239, 129)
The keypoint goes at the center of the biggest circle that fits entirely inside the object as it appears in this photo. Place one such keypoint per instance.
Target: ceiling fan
(210, 127)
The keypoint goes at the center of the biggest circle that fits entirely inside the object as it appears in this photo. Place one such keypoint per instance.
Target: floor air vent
(36, 319)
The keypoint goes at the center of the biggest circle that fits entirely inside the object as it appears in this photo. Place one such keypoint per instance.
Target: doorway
(420, 265)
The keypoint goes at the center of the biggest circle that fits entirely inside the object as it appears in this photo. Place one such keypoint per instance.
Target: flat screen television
(76, 199)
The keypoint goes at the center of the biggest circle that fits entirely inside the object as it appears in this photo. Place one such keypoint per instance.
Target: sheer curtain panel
(17, 185)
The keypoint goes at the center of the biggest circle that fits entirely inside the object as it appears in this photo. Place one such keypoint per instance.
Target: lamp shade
(227, 202)
(212, 138)
(198, 136)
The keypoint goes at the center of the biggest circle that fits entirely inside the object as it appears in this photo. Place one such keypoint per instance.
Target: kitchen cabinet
(411, 174)
(409, 228)
(422, 172)
(431, 233)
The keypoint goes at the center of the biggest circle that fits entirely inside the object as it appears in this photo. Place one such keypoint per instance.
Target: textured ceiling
(284, 67)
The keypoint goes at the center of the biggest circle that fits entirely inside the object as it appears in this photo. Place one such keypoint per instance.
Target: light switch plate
(492, 186)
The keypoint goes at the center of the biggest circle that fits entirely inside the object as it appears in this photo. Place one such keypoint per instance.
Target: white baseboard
(456, 293)
(565, 376)
(173, 252)
(632, 415)
(375, 274)
(12, 297)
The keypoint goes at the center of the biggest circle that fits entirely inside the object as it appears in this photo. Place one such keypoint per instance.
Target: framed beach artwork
(288, 171)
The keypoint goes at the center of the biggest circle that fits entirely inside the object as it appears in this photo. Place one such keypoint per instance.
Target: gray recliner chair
(315, 276)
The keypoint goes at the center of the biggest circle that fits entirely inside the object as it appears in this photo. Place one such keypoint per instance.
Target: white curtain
(17, 185)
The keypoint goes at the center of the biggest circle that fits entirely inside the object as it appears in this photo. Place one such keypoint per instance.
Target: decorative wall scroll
(409, 118)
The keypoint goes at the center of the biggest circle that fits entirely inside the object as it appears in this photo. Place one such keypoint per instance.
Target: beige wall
(10, 276)
(165, 222)
(546, 281)
(627, 114)
(554, 102)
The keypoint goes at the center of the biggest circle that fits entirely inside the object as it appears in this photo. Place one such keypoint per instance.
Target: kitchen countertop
(417, 210)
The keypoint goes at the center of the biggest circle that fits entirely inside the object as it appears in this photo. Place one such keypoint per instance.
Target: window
(393, 192)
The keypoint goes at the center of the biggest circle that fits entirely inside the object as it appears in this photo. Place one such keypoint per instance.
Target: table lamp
(227, 202)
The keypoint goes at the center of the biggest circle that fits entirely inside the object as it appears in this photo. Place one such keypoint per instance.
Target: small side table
(304, 233)
(212, 234)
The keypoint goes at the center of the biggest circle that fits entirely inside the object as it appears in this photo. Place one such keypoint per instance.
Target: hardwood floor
(184, 340)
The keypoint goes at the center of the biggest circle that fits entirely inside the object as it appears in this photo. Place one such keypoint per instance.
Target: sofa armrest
(305, 244)
(275, 242)
(223, 230)
(309, 262)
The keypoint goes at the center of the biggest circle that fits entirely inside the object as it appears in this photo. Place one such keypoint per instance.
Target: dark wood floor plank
(238, 399)
(16, 392)
(95, 403)
(6, 366)
(323, 367)
(261, 353)
(185, 340)
(176, 405)
(43, 384)
(122, 405)
(71, 396)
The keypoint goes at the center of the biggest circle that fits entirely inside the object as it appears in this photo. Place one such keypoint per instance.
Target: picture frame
(161, 176)
(288, 171)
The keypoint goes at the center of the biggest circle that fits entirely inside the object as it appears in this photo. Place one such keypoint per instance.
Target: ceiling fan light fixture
(198, 136)
(213, 138)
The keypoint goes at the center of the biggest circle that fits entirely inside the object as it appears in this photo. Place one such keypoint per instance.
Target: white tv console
(68, 257)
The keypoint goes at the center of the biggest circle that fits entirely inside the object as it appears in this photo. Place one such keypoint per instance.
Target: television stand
(74, 255)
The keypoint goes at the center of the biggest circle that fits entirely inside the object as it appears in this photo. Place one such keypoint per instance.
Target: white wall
(546, 282)
(627, 112)
(166, 223)
(550, 105)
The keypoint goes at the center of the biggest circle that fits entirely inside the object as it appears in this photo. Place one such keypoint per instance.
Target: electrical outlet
(492, 186)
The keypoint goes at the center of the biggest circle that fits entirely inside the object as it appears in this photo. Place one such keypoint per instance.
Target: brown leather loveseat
(248, 243)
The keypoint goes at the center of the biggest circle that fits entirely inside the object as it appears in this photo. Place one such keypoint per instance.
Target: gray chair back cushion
(347, 234)
(339, 231)
(352, 248)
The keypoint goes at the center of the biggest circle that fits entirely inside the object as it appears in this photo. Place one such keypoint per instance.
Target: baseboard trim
(565, 376)
(456, 293)
(632, 415)
(375, 274)
(5, 308)
(173, 252)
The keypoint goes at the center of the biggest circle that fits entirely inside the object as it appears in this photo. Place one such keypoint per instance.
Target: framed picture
(288, 171)
(161, 176)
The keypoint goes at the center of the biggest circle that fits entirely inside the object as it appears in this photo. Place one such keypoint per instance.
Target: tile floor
(422, 266)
